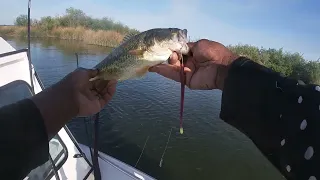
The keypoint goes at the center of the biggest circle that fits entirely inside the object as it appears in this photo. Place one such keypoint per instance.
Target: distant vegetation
(76, 25)
(289, 64)
(73, 25)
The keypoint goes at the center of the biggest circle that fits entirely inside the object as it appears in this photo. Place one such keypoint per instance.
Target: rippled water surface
(149, 108)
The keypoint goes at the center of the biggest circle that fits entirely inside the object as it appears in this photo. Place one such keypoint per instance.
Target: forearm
(249, 100)
(266, 107)
(57, 106)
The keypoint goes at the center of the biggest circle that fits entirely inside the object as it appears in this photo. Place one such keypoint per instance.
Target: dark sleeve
(24, 141)
(280, 116)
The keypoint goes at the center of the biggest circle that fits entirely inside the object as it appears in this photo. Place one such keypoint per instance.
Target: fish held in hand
(137, 53)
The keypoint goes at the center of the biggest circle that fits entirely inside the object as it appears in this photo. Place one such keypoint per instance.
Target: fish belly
(133, 70)
(138, 70)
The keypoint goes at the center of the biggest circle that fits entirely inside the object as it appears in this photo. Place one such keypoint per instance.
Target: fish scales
(137, 53)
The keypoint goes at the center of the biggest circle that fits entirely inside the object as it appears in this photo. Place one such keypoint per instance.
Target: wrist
(222, 73)
(66, 93)
(57, 105)
(223, 69)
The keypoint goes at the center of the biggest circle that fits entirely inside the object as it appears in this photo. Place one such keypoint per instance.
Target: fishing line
(161, 160)
(145, 143)
(182, 79)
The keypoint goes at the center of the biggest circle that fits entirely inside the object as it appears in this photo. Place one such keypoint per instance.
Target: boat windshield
(18, 90)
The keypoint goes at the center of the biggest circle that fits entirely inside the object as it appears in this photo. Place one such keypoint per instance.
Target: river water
(147, 109)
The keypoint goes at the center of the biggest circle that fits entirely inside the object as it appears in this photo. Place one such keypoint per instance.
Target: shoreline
(289, 64)
(106, 38)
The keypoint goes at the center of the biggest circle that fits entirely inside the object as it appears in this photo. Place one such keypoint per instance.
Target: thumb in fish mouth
(174, 58)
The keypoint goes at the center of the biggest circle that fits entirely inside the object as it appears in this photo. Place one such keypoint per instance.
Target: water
(149, 107)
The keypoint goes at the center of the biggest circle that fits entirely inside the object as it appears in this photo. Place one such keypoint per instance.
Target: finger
(174, 58)
(187, 69)
(109, 88)
(168, 71)
(189, 73)
(156, 69)
(108, 92)
(191, 46)
(92, 72)
(100, 84)
(205, 63)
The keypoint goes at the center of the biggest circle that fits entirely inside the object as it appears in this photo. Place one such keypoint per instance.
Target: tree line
(75, 18)
(289, 64)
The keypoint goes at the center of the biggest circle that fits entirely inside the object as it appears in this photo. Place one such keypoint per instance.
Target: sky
(293, 25)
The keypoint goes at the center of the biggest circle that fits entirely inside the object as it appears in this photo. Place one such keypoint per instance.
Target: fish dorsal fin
(127, 37)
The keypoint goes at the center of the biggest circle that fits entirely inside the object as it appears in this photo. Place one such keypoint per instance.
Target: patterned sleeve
(280, 116)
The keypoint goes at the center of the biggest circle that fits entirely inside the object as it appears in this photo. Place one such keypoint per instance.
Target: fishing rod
(95, 161)
(55, 170)
(29, 53)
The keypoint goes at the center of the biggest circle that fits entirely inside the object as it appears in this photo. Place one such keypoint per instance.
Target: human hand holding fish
(206, 66)
(73, 96)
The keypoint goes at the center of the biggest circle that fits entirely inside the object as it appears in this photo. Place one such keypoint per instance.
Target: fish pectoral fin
(142, 71)
(137, 52)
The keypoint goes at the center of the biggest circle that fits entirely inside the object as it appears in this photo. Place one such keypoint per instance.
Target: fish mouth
(183, 39)
(184, 33)
(184, 49)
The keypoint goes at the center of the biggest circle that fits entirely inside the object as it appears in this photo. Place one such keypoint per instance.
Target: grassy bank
(73, 25)
(108, 38)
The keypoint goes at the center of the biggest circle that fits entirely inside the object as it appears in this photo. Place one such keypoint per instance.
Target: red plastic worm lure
(183, 82)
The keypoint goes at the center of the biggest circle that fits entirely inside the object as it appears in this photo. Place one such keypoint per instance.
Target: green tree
(312, 72)
(76, 17)
(289, 64)
(21, 20)
(48, 23)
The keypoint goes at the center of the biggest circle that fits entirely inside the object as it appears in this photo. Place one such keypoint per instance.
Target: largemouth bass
(137, 53)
